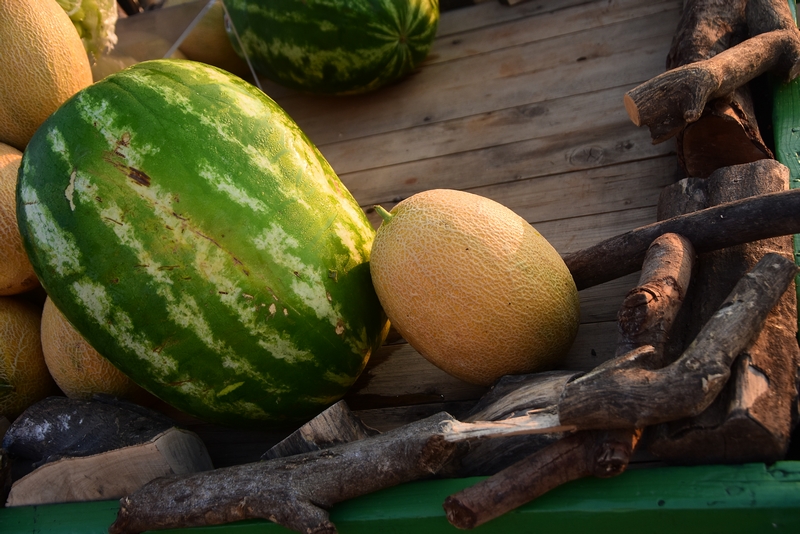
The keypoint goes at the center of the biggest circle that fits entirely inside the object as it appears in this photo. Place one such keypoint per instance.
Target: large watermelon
(191, 232)
(334, 46)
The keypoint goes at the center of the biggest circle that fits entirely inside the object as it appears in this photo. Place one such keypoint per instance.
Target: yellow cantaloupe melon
(78, 369)
(16, 272)
(473, 287)
(42, 64)
(24, 378)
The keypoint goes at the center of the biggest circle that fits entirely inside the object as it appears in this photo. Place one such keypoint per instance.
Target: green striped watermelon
(193, 234)
(334, 46)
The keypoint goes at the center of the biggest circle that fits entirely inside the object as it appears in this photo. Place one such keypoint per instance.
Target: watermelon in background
(334, 46)
(190, 231)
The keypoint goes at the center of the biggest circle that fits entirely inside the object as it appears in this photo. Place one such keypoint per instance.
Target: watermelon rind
(335, 47)
(185, 225)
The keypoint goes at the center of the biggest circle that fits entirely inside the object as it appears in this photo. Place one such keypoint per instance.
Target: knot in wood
(693, 364)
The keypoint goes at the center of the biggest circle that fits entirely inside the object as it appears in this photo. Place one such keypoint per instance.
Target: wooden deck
(522, 104)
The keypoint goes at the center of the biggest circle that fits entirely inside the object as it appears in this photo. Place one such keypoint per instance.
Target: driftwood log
(295, 491)
(630, 393)
(633, 391)
(645, 318)
(678, 97)
(717, 227)
(727, 132)
(753, 417)
(512, 396)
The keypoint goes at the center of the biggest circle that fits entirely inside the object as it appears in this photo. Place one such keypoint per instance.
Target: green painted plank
(702, 499)
(786, 131)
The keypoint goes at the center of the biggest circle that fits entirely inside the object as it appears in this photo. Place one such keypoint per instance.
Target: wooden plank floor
(523, 105)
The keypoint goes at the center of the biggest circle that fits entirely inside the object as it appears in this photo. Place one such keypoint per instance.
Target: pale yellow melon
(78, 369)
(42, 64)
(209, 43)
(24, 378)
(473, 287)
(16, 272)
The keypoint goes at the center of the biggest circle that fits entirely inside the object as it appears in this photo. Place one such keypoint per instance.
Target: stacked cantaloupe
(42, 63)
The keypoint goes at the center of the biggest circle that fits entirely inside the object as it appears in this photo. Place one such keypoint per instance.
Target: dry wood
(111, 474)
(571, 191)
(85, 427)
(512, 396)
(713, 228)
(295, 491)
(767, 15)
(335, 425)
(576, 456)
(491, 13)
(649, 310)
(533, 129)
(632, 391)
(727, 132)
(527, 25)
(752, 419)
(670, 101)
(645, 317)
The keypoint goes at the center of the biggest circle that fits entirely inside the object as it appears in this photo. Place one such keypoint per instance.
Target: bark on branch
(752, 419)
(585, 453)
(632, 391)
(670, 101)
(727, 133)
(294, 491)
(711, 64)
(714, 228)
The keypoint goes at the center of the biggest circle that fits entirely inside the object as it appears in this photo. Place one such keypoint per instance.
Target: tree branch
(714, 228)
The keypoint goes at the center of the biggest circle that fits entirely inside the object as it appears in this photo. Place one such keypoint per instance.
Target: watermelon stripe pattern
(334, 46)
(196, 238)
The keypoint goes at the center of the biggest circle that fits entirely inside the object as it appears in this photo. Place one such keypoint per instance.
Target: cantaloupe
(78, 369)
(209, 43)
(473, 287)
(42, 64)
(24, 378)
(16, 272)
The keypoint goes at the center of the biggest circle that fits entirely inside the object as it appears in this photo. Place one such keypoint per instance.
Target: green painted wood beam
(751, 498)
(786, 132)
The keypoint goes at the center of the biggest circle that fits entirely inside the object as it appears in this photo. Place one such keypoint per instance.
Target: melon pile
(42, 63)
(169, 229)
